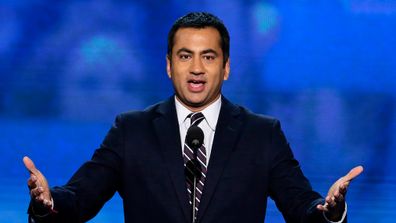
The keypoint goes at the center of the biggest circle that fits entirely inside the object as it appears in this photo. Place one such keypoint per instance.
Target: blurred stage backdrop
(326, 69)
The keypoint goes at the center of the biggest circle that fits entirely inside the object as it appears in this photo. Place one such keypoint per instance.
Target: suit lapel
(227, 131)
(167, 130)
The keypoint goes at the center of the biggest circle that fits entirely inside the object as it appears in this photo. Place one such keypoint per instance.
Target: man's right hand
(38, 185)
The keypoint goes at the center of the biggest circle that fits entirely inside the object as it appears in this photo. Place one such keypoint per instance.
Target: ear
(227, 69)
(168, 66)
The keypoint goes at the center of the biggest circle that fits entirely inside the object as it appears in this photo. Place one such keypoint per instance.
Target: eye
(209, 57)
(184, 56)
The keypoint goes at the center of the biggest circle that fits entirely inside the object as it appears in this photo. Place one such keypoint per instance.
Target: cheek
(177, 81)
(218, 80)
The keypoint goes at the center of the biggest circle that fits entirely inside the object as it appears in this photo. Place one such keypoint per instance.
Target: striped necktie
(188, 154)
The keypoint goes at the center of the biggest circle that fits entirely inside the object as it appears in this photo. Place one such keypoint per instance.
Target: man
(244, 158)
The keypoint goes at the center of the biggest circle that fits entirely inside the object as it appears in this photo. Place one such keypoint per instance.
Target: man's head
(198, 59)
(201, 20)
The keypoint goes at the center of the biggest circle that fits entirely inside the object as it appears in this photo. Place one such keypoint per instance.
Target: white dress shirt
(208, 125)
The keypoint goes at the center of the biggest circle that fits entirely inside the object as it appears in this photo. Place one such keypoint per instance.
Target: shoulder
(246, 115)
(134, 120)
(257, 119)
(143, 115)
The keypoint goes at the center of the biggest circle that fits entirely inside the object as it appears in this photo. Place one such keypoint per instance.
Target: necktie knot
(196, 118)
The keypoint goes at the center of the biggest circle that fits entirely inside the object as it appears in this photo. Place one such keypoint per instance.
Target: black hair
(201, 20)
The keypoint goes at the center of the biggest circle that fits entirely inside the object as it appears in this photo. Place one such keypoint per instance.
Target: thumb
(353, 173)
(30, 165)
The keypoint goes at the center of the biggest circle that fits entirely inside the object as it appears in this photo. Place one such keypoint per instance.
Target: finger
(339, 198)
(47, 203)
(36, 192)
(330, 200)
(42, 197)
(339, 189)
(38, 198)
(29, 165)
(353, 173)
(32, 182)
(343, 188)
(321, 207)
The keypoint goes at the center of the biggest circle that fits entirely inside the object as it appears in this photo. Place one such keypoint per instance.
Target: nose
(197, 66)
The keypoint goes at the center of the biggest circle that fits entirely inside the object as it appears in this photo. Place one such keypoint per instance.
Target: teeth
(196, 82)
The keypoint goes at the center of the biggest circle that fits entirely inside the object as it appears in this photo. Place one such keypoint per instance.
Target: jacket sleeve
(94, 183)
(289, 188)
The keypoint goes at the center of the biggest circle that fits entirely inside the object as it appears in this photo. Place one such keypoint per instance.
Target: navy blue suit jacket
(141, 159)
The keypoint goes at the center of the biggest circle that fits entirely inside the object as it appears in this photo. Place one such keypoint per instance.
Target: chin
(195, 101)
(195, 104)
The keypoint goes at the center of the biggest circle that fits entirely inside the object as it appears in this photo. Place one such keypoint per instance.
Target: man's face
(196, 68)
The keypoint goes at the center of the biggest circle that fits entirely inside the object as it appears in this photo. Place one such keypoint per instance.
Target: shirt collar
(211, 113)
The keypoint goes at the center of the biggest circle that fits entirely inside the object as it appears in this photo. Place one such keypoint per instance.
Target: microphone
(194, 140)
(192, 170)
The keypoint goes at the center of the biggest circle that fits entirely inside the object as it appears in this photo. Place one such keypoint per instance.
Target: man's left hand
(334, 206)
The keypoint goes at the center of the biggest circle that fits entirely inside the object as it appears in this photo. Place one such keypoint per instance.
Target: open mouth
(196, 85)
(196, 82)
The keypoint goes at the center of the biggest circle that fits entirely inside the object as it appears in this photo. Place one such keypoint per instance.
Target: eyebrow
(184, 50)
(209, 51)
(191, 52)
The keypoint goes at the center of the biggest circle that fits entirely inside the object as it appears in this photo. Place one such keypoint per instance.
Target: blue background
(325, 68)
